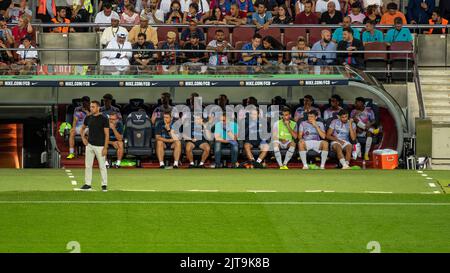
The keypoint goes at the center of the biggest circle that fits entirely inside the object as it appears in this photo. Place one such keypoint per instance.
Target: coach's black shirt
(96, 125)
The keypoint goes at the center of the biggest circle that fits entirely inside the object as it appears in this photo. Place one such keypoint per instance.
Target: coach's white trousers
(91, 153)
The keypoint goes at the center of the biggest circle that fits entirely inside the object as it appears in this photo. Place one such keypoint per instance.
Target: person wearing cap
(398, 33)
(143, 27)
(170, 57)
(186, 34)
(195, 58)
(108, 108)
(119, 59)
(79, 114)
(104, 16)
(111, 32)
(27, 56)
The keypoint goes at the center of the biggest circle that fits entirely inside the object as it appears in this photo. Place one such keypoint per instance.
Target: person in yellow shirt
(145, 28)
(392, 13)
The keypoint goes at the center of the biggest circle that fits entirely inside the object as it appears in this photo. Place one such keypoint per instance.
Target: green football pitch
(225, 211)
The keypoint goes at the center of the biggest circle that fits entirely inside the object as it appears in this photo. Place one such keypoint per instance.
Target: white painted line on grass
(419, 171)
(424, 175)
(432, 185)
(203, 190)
(71, 176)
(256, 191)
(222, 203)
(313, 191)
(436, 192)
(378, 192)
(74, 182)
(328, 191)
(429, 178)
(68, 171)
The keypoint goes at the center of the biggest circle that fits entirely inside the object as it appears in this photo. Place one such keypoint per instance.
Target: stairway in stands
(10, 145)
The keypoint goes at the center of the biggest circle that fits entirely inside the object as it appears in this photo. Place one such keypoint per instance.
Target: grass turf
(171, 219)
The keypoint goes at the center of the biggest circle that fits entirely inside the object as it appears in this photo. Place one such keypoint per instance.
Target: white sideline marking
(424, 175)
(71, 176)
(68, 171)
(378, 192)
(429, 178)
(222, 203)
(204, 190)
(74, 182)
(256, 191)
(313, 190)
(432, 185)
(419, 171)
(436, 192)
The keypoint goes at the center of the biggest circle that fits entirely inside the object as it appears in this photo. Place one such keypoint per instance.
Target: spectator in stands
(371, 34)
(341, 132)
(61, 19)
(444, 7)
(165, 5)
(27, 56)
(203, 6)
(419, 11)
(372, 14)
(22, 29)
(5, 33)
(335, 107)
(163, 106)
(301, 113)
(107, 109)
(195, 58)
(142, 59)
(217, 17)
(252, 58)
(398, 33)
(198, 139)
(378, 4)
(254, 128)
(331, 16)
(174, 16)
(167, 138)
(325, 44)
(392, 13)
(346, 23)
(225, 135)
(349, 44)
(186, 34)
(269, 57)
(46, 10)
(104, 17)
(4, 5)
(235, 17)
(81, 13)
(356, 14)
(192, 14)
(110, 33)
(116, 129)
(322, 5)
(223, 5)
(283, 17)
(153, 13)
(312, 136)
(348, 6)
(220, 46)
(121, 5)
(5, 55)
(143, 27)
(283, 137)
(364, 118)
(246, 8)
(262, 18)
(120, 58)
(436, 19)
(300, 58)
(307, 17)
(129, 16)
(79, 114)
(16, 11)
(170, 57)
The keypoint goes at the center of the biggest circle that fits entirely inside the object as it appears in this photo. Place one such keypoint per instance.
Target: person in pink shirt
(356, 14)
(129, 16)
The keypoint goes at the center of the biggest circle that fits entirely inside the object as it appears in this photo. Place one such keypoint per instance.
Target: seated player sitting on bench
(364, 118)
(198, 139)
(253, 131)
(342, 130)
(79, 115)
(312, 135)
(225, 134)
(116, 136)
(335, 107)
(300, 112)
(283, 136)
(167, 138)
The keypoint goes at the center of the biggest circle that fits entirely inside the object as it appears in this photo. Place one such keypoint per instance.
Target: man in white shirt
(154, 15)
(110, 33)
(27, 56)
(322, 5)
(164, 5)
(104, 17)
(120, 59)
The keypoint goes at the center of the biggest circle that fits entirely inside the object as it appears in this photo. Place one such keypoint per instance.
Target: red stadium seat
(274, 32)
(289, 46)
(292, 34)
(376, 61)
(315, 34)
(238, 45)
(162, 32)
(401, 61)
(242, 34)
(212, 33)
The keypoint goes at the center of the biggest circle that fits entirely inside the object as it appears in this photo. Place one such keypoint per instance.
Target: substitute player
(253, 139)
(364, 118)
(283, 136)
(312, 135)
(342, 130)
(96, 144)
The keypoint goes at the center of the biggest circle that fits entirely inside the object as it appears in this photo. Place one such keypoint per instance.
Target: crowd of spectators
(133, 19)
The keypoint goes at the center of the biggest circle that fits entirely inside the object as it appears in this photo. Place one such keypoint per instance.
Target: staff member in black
(96, 144)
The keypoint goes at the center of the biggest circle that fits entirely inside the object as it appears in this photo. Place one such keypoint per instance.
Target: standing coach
(96, 144)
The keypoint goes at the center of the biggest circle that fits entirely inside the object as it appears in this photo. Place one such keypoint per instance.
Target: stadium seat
(376, 61)
(401, 61)
(138, 134)
(292, 34)
(289, 46)
(274, 32)
(162, 32)
(241, 34)
(237, 55)
(135, 105)
(212, 33)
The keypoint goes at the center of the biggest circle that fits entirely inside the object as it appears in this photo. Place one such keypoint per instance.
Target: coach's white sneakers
(345, 167)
